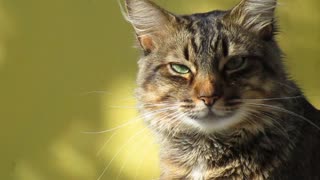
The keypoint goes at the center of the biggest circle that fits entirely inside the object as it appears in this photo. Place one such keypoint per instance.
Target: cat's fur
(213, 123)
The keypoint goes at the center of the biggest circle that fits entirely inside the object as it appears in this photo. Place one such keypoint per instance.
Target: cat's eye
(181, 69)
(236, 63)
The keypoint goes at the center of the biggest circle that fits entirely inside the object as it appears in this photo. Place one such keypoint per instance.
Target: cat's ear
(255, 15)
(151, 22)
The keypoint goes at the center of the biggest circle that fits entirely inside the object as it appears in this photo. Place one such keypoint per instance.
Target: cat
(214, 90)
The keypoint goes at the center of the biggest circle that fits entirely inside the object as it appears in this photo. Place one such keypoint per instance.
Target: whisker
(115, 128)
(127, 157)
(145, 105)
(176, 118)
(179, 123)
(142, 159)
(158, 104)
(164, 117)
(95, 92)
(248, 118)
(285, 85)
(280, 98)
(120, 150)
(130, 121)
(278, 125)
(105, 144)
(286, 111)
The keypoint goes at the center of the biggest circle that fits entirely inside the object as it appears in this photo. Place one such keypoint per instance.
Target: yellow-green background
(68, 66)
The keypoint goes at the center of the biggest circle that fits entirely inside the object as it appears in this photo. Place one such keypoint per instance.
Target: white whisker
(286, 111)
(105, 144)
(95, 92)
(120, 150)
(127, 157)
(279, 98)
(146, 149)
(130, 121)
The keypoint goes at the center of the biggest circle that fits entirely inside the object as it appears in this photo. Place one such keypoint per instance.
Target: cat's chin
(212, 117)
(215, 120)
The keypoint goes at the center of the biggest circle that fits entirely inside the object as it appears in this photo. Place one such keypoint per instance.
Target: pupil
(235, 63)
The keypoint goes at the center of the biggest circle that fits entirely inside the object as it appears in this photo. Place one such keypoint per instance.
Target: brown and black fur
(272, 132)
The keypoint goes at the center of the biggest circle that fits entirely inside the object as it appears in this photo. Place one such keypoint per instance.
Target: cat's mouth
(213, 115)
(220, 115)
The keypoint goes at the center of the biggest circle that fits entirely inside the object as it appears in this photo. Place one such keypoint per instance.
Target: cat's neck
(219, 145)
(212, 157)
(264, 150)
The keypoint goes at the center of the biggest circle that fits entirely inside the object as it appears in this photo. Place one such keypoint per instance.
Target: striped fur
(256, 14)
(217, 122)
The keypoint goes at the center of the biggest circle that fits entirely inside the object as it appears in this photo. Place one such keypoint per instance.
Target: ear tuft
(148, 20)
(145, 16)
(255, 15)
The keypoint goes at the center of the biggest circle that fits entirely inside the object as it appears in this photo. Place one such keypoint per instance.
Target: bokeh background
(67, 67)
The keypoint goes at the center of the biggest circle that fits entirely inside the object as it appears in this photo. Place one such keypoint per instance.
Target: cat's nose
(209, 100)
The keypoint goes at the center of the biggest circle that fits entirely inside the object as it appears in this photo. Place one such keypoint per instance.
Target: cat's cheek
(258, 89)
(269, 87)
(153, 93)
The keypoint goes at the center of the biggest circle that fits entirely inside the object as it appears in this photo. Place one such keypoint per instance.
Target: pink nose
(209, 100)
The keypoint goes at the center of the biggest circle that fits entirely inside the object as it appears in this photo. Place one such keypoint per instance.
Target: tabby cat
(213, 89)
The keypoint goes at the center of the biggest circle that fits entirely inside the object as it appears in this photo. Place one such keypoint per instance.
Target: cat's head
(197, 72)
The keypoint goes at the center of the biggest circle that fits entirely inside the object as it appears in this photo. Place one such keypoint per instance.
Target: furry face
(213, 89)
(204, 72)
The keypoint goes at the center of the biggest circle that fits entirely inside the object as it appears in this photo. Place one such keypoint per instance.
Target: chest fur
(203, 159)
(198, 171)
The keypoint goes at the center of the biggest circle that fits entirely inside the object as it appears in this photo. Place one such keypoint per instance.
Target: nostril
(209, 101)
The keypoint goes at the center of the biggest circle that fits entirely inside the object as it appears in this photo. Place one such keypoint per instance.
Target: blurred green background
(68, 67)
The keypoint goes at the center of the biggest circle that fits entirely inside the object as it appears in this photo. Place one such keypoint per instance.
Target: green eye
(236, 63)
(181, 69)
